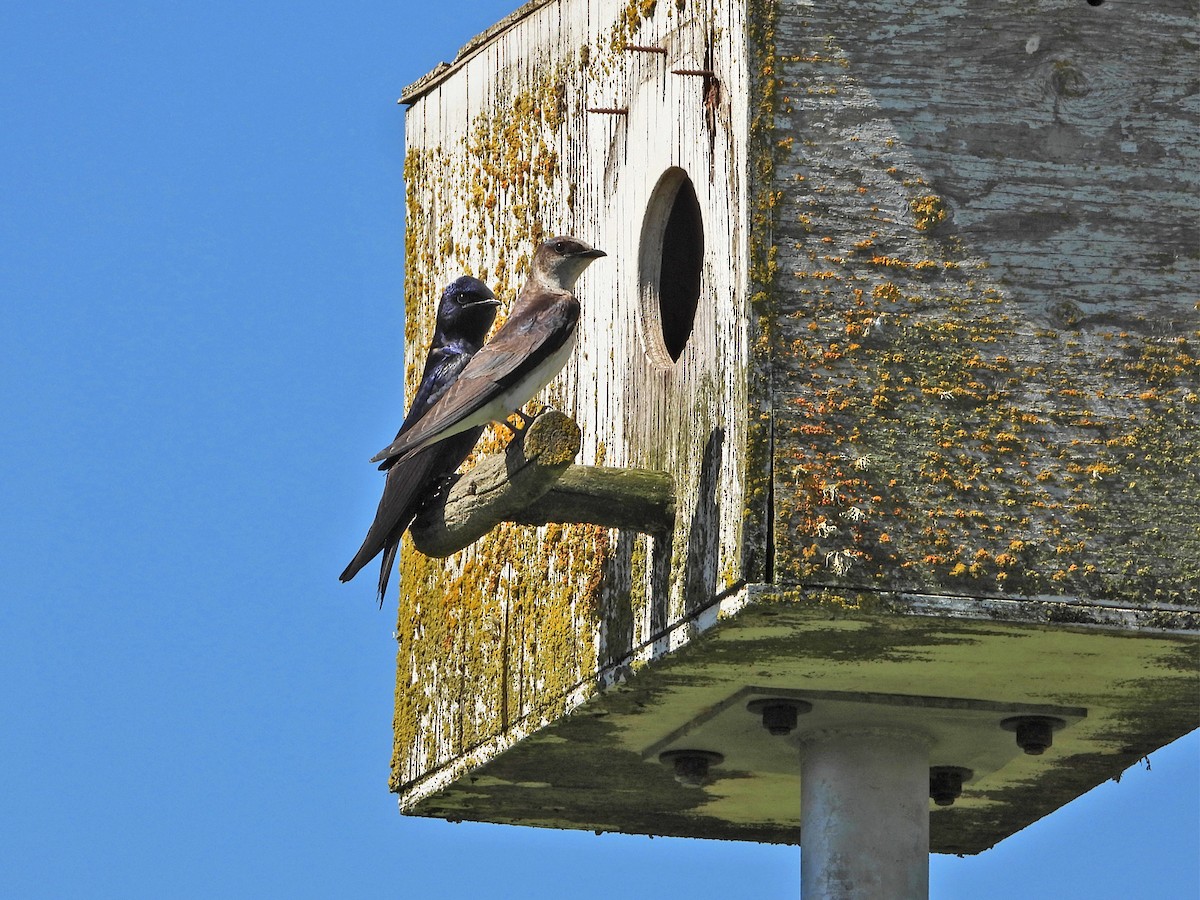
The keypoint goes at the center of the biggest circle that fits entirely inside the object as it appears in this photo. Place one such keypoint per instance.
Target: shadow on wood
(534, 482)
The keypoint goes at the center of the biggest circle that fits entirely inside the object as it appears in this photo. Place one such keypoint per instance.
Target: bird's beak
(592, 254)
(489, 300)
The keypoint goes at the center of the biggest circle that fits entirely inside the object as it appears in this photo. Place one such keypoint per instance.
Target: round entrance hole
(671, 258)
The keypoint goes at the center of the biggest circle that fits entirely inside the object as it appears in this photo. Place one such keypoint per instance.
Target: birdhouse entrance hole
(671, 257)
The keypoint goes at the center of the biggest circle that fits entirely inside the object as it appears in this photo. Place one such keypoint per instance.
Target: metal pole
(864, 828)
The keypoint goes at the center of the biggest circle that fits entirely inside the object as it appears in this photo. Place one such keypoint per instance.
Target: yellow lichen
(928, 211)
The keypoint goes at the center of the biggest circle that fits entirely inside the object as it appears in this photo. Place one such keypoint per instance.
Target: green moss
(763, 150)
(628, 23)
(931, 433)
(497, 636)
(918, 460)
(502, 632)
(932, 436)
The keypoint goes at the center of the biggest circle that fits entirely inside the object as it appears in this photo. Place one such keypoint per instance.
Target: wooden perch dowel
(636, 499)
(534, 483)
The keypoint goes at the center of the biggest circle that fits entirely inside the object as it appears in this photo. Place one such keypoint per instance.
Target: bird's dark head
(467, 310)
(559, 261)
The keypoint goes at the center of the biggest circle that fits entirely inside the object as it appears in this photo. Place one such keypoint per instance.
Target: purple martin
(530, 348)
(465, 313)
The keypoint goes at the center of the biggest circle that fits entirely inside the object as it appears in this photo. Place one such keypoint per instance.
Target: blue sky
(201, 253)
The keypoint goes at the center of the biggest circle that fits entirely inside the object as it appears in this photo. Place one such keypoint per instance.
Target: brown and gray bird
(464, 316)
(521, 358)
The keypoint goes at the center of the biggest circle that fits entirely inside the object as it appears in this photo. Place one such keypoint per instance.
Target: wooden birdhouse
(901, 299)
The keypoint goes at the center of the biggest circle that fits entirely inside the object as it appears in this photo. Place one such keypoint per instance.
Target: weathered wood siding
(947, 330)
(513, 631)
(984, 370)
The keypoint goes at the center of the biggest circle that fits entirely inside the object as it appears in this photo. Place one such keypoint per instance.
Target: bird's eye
(560, 247)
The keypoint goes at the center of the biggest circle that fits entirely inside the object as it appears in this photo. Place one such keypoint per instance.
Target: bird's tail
(403, 492)
(385, 569)
(355, 566)
(368, 553)
(408, 487)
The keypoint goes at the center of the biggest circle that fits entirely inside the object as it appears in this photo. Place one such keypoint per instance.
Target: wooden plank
(987, 327)
(512, 632)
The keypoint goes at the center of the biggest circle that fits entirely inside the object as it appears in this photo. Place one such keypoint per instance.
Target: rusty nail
(704, 73)
(610, 110)
(639, 48)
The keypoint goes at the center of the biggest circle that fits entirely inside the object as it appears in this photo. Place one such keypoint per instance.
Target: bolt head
(1035, 734)
(946, 783)
(779, 715)
(691, 766)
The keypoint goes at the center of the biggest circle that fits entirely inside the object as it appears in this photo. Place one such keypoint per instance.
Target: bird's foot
(523, 421)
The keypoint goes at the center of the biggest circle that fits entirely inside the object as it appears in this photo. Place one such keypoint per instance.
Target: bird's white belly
(525, 390)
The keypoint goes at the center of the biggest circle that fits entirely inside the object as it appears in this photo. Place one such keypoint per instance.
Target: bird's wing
(402, 494)
(442, 367)
(529, 337)
(386, 562)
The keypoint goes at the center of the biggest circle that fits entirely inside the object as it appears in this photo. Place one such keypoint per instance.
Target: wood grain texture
(636, 500)
(502, 152)
(986, 376)
(499, 487)
(945, 346)
(533, 482)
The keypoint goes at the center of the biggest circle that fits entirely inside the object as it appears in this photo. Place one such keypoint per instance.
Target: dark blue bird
(465, 314)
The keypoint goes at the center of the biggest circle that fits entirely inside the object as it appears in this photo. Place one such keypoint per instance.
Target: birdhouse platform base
(972, 683)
